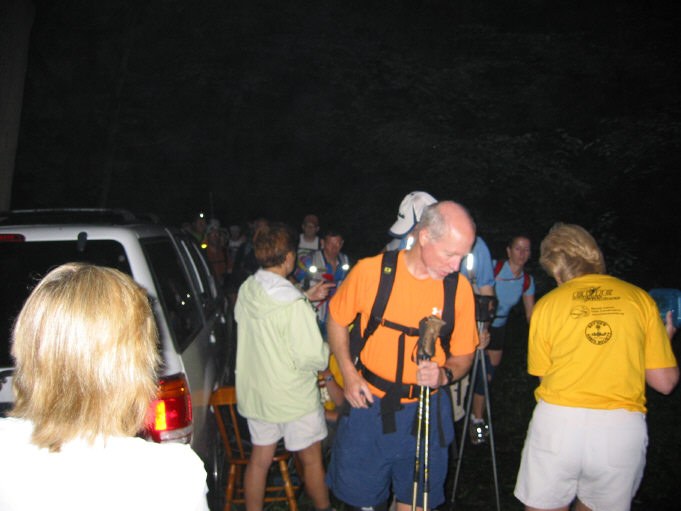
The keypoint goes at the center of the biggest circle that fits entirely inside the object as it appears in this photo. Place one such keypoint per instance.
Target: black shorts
(497, 337)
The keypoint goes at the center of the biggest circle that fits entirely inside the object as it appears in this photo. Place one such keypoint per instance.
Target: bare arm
(486, 290)
(663, 379)
(335, 390)
(484, 336)
(356, 389)
(319, 291)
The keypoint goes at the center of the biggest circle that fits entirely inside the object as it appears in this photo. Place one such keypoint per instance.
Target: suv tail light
(170, 414)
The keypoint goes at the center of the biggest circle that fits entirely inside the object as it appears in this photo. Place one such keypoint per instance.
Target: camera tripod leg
(479, 359)
(491, 432)
(469, 401)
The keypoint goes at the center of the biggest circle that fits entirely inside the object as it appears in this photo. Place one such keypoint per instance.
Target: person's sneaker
(479, 431)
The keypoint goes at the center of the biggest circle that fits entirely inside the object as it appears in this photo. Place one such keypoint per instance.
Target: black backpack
(395, 390)
(388, 268)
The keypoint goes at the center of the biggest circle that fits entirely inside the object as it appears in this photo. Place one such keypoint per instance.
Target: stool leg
(288, 487)
(229, 490)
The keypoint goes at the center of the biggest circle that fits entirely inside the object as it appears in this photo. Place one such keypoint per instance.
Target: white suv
(193, 321)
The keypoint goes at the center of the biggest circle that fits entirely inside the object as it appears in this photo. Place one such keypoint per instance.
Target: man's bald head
(445, 235)
(447, 217)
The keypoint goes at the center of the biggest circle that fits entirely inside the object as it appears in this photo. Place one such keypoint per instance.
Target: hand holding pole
(429, 330)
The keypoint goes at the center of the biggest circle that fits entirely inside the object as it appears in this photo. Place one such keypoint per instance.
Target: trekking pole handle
(429, 330)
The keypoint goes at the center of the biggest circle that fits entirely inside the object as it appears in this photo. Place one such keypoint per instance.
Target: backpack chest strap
(406, 330)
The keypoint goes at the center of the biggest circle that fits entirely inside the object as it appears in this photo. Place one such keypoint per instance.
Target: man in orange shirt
(374, 449)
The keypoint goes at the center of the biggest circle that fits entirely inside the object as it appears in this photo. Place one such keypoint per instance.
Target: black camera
(485, 307)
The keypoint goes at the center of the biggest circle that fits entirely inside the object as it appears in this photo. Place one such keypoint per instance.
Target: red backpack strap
(526, 276)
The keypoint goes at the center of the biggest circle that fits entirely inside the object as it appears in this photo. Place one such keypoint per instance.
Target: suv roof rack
(74, 216)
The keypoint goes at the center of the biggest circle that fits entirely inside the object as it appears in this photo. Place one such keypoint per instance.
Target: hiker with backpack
(374, 449)
(511, 283)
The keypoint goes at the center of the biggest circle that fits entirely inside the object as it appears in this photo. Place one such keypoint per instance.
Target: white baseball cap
(410, 211)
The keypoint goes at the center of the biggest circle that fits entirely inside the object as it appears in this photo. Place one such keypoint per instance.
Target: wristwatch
(449, 375)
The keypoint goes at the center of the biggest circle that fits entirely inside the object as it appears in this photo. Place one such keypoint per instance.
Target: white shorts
(297, 434)
(596, 455)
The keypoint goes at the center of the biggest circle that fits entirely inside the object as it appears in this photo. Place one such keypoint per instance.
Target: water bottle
(668, 300)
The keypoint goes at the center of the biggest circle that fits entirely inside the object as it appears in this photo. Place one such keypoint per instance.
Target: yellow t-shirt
(592, 339)
(410, 301)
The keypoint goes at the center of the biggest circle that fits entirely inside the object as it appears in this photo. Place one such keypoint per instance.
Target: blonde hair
(86, 350)
(569, 251)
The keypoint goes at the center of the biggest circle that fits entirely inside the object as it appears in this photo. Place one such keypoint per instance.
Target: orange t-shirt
(410, 301)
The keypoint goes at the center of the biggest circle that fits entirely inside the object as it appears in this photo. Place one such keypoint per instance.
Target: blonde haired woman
(85, 346)
(594, 342)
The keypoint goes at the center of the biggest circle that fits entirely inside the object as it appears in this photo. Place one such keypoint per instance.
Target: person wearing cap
(477, 266)
(408, 215)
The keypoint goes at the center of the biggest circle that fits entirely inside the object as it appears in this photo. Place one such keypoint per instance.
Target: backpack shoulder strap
(385, 287)
(449, 284)
(358, 339)
(526, 276)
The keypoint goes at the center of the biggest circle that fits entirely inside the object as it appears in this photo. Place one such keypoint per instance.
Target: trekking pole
(429, 329)
(417, 458)
(426, 465)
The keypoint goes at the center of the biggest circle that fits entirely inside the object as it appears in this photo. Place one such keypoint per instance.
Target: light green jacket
(279, 350)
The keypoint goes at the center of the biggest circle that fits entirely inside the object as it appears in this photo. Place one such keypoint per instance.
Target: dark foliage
(529, 112)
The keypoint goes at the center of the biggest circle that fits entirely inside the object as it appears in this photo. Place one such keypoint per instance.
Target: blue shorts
(366, 463)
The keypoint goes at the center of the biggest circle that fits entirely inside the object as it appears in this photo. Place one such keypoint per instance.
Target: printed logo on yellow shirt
(579, 312)
(598, 332)
(592, 294)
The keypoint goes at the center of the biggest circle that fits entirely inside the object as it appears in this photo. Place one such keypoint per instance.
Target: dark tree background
(527, 111)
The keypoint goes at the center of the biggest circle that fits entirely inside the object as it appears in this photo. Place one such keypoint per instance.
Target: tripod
(479, 360)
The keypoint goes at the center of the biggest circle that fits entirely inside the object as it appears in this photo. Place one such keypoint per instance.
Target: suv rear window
(177, 296)
(22, 265)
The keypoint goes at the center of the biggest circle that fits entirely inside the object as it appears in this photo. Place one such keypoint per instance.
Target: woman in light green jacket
(279, 352)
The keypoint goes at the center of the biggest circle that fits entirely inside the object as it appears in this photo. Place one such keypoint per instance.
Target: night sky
(528, 112)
